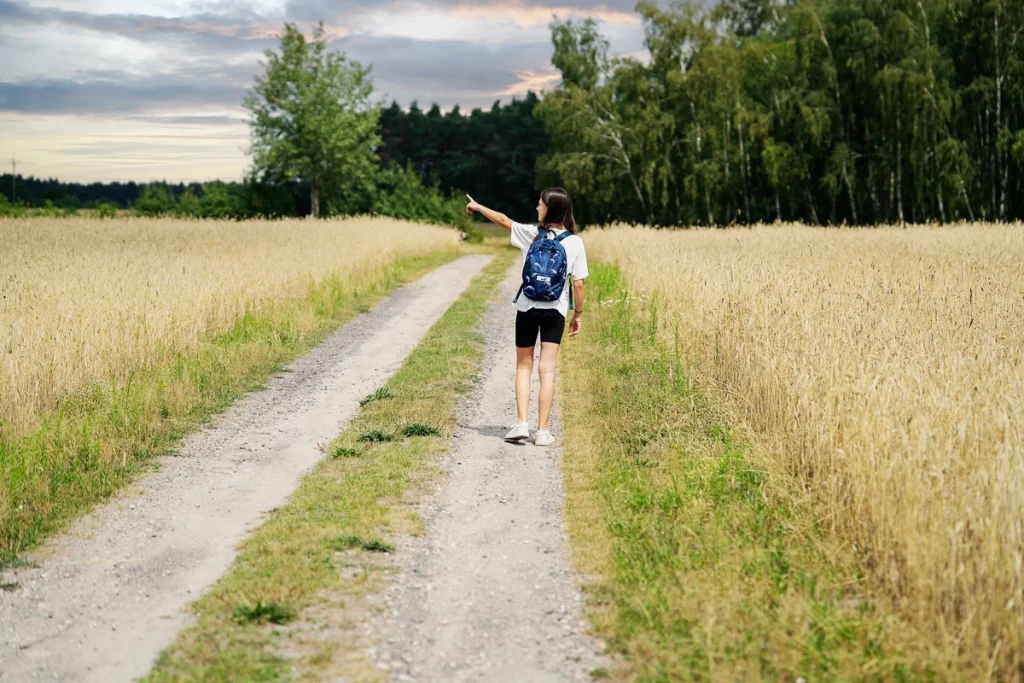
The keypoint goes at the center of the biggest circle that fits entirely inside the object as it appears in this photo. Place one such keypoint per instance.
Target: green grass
(324, 549)
(373, 546)
(377, 436)
(702, 566)
(379, 395)
(420, 430)
(105, 435)
(264, 613)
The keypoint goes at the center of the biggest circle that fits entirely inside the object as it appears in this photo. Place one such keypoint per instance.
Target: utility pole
(14, 180)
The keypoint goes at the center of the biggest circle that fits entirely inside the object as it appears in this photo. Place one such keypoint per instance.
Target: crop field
(86, 300)
(883, 371)
(91, 308)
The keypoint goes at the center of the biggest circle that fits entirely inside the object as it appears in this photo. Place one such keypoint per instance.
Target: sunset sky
(90, 92)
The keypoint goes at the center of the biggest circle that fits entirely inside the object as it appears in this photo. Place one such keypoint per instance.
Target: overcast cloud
(91, 92)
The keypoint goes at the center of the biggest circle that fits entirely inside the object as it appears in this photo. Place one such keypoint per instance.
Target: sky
(105, 90)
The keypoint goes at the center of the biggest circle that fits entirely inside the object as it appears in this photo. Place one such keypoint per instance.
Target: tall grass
(117, 338)
(699, 566)
(84, 300)
(884, 370)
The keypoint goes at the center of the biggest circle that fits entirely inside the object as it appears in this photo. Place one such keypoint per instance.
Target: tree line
(426, 161)
(824, 111)
(321, 147)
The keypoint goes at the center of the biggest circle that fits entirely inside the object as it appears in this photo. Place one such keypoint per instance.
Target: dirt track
(108, 595)
(488, 594)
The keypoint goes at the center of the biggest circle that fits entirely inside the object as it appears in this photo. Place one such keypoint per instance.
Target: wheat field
(85, 300)
(882, 372)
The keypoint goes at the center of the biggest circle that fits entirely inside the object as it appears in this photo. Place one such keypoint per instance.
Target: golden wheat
(84, 300)
(885, 368)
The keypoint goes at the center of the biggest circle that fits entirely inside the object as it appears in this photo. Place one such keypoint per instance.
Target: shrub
(402, 194)
(155, 200)
(188, 203)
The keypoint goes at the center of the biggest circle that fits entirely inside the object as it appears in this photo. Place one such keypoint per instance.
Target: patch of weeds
(377, 436)
(9, 587)
(350, 542)
(421, 430)
(378, 547)
(9, 560)
(263, 612)
(379, 395)
(342, 452)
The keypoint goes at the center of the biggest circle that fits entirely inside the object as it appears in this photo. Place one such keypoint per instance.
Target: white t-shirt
(576, 261)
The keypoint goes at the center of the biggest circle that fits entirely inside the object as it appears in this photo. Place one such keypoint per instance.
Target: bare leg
(546, 370)
(524, 370)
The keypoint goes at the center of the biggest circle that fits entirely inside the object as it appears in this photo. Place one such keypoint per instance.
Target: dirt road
(109, 595)
(487, 594)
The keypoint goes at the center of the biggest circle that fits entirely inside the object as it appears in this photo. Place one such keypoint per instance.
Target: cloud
(182, 67)
(238, 23)
(111, 94)
(447, 72)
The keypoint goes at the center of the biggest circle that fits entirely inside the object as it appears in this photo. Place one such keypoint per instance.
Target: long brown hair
(559, 208)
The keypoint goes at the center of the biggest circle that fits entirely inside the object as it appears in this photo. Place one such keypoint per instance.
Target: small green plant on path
(374, 546)
(264, 613)
(379, 395)
(420, 430)
(701, 566)
(377, 436)
(321, 550)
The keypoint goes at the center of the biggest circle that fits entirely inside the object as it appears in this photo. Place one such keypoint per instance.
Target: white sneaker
(520, 432)
(543, 438)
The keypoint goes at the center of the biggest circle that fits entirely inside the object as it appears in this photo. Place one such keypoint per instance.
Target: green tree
(155, 200)
(311, 118)
(220, 200)
(188, 203)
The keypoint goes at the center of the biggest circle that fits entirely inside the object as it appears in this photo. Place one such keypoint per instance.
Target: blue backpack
(545, 270)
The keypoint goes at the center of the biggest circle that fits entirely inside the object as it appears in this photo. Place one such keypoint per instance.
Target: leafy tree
(188, 203)
(402, 194)
(220, 200)
(155, 200)
(311, 118)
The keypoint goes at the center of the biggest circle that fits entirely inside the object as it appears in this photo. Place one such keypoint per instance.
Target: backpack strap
(568, 276)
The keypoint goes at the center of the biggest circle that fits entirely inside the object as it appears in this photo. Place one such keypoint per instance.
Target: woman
(546, 318)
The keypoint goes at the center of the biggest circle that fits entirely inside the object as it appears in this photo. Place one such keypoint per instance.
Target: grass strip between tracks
(103, 437)
(699, 566)
(327, 545)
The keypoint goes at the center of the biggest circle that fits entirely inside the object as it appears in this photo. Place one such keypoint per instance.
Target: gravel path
(487, 594)
(108, 595)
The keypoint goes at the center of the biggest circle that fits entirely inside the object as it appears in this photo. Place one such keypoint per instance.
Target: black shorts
(548, 321)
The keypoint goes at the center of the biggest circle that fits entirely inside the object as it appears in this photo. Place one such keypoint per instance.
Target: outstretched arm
(490, 214)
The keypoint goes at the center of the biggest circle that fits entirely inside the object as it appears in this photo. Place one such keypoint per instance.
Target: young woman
(546, 318)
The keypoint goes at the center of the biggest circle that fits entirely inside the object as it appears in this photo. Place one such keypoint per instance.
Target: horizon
(97, 95)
